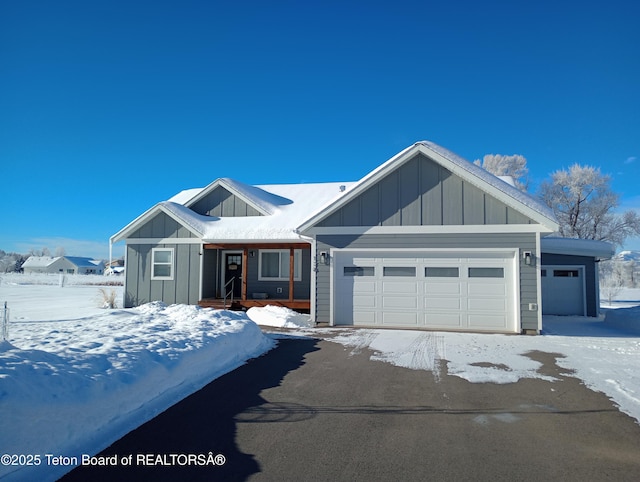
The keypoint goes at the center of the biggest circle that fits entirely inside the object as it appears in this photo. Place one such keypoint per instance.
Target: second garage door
(447, 290)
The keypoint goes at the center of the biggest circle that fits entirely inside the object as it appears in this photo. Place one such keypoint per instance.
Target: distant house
(62, 264)
(427, 239)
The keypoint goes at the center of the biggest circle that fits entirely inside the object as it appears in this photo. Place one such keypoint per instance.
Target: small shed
(569, 275)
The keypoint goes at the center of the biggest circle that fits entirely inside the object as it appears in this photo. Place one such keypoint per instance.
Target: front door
(233, 271)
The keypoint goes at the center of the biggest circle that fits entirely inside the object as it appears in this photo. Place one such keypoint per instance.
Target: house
(62, 264)
(427, 239)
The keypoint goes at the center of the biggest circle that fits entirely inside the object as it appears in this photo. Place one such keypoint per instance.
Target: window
(273, 265)
(441, 272)
(486, 272)
(359, 271)
(162, 264)
(399, 271)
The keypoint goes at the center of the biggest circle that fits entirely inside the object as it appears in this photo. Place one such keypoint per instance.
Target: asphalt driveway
(312, 410)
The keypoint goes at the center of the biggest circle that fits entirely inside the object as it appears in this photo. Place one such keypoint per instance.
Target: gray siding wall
(523, 241)
(222, 203)
(590, 267)
(183, 288)
(162, 226)
(421, 192)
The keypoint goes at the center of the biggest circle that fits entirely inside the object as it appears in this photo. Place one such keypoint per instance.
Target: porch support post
(245, 258)
(291, 271)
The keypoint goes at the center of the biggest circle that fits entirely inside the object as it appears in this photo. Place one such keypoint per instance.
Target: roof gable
(255, 201)
(501, 202)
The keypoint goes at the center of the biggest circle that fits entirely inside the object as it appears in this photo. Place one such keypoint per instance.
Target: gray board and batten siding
(222, 203)
(524, 241)
(185, 285)
(423, 193)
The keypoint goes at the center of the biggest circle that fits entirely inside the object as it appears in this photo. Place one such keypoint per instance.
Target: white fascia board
(146, 217)
(155, 241)
(488, 188)
(409, 153)
(439, 229)
(360, 186)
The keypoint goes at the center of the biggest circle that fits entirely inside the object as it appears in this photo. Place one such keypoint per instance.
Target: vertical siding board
(410, 205)
(496, 212)
(451, 198)
(389, 200)
(351, 213)
(473, 204)
(371, 206)
(182, 278)
(431, 188)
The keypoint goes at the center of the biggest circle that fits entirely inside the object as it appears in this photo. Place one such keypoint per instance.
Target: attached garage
(439, 289)
(569, 275)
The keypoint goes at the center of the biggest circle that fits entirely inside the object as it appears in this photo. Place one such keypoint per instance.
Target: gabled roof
(285, 205)
(38, 261)
(498, 188)
(265, 202)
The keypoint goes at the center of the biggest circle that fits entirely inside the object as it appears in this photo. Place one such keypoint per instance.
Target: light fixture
(324, 257)
(528, 258)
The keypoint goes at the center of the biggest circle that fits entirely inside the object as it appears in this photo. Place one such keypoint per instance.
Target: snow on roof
(38, 261)
(577, 247)
(494, 181)
(288, 204)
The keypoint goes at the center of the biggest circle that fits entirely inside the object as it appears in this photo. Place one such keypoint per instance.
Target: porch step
(219, 305)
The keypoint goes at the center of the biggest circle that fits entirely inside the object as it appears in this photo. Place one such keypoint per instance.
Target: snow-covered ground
(74, 376)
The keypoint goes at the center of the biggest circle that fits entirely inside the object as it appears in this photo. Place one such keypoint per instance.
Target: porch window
(162, 264)
(273, 265)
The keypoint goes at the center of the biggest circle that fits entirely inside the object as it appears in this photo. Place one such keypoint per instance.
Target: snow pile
(625, 319)
(279, 316)
(73, 386)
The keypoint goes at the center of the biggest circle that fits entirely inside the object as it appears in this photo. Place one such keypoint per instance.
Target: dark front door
(233, 271)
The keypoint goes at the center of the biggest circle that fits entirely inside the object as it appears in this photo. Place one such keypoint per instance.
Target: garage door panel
(443, 320)
(487, 322)
(487, 289)
(487, 304)
(400, 318)
(442, 303)
(442, 288)
(364, 302)
(364, 287)
(402, 302)
(432, 289)
(399, 287)
(364, 318)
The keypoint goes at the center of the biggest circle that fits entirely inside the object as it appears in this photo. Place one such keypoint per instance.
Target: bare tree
(60, 251)
(584, 204)
(612, 278)
(514, 166)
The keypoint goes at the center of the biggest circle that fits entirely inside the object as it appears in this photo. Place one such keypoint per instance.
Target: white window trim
(171, 264)
(297, 260)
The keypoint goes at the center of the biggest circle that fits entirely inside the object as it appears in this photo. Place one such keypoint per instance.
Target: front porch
(239, 277)
(301, 306)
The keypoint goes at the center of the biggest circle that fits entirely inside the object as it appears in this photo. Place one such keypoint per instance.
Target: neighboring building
(62, 264)
(427, 239)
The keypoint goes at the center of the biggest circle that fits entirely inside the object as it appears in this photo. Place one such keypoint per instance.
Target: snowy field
(74, 376)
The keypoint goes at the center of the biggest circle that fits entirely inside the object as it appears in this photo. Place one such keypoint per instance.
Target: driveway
(312, 410)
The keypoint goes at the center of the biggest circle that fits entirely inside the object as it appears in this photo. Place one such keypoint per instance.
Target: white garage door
(563, 290)
(470, 291)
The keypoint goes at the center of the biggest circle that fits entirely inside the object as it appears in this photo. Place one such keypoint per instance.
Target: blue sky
(107, 108)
